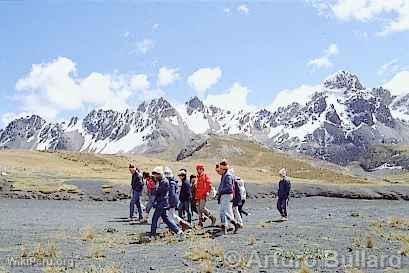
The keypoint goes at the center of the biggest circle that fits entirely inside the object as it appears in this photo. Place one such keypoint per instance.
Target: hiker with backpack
(243, 195)
(161, 203)
(284, 188)
(150, 188)
(202, 191)
(225, 197)
(185, 196)
(137, 187)
(174, 200)
(173, 192)
(237, 200)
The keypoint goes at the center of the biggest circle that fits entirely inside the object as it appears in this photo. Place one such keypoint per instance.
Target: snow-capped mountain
(338, 122)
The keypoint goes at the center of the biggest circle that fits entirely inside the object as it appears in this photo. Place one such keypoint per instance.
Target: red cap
(199, 166)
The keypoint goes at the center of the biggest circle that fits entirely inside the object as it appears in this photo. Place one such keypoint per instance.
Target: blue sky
(250, 51)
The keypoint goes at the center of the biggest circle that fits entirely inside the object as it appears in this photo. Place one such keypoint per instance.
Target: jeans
(185, 206)
(162, 213)
(282, 206)
(149, 204)
(135, 201)
(226, 209)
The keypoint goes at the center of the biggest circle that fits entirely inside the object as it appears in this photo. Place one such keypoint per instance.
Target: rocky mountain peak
(343, 80)
(158, 108)
(194, 104)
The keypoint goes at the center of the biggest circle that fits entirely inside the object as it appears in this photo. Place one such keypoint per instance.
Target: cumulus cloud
(227, 11)
(54, 87)
(167, 76)
(144, 46)
(203, 78)
(243, 9)
(234, 99)
(395, 13)
(8, 117)
(299, 94)
(399, 84)
(324, 61)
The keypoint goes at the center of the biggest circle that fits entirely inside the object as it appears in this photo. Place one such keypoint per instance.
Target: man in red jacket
(203, 189)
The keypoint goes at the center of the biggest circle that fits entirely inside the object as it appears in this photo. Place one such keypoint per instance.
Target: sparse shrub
(398, 222)
(52, 250)
(206, 266)
(53, 269)
(370, 241)
(197, 254)
(96, 252)
(252, 240)
(304, 268)
(23, 251)
(87, 233)
(39, 252)
(405, 250)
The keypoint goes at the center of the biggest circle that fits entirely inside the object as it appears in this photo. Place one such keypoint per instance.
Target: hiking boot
(185, 225)
(180, 236)
(236, 226)
(213, 219)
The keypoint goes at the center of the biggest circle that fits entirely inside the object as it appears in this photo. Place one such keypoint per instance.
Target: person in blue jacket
(225, 197)
(284, 188)
(185, 196)
(137, 187)
(161, 193)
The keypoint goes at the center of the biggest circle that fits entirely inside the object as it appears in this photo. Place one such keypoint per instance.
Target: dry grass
(24, 253)
(206, 266)
(398, 222)
(405, 250)
(252, 240)
(40, 251)
(370, 241)
(47, 171)
(304, 268)
(96, 251)
(53, 269)
(87, 233)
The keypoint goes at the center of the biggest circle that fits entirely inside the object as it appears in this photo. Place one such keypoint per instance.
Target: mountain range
(339, 121)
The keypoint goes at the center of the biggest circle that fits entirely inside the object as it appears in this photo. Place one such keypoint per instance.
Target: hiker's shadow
(275, 221)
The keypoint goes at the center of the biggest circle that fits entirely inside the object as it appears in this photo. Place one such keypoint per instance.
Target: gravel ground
(317, 226)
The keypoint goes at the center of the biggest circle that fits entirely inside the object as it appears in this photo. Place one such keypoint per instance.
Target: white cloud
(227, 11)
(389, 67)
(167, 76)
(140, 82)
(203, 78)
(324, 61)
(299, 94)
(243, 9)
(399, 84)
(6, 118)
(51, 88)
(145, 45)
(234, 99)
(155, 26)
(394, 12)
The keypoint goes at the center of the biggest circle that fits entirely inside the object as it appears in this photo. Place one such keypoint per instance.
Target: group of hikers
(176, 199)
